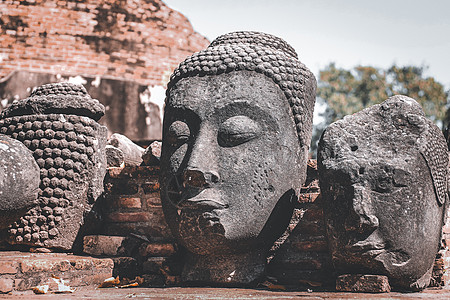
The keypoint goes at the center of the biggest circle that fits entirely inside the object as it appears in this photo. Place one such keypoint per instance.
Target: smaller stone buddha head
(58, 124)
(236, 134)
(383, 176)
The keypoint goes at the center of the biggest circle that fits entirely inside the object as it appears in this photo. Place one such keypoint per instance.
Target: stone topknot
(258, 38)
(61, 88)
(265, 54)
(62, 97)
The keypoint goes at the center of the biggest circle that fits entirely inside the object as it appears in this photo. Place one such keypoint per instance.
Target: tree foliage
(348, 91)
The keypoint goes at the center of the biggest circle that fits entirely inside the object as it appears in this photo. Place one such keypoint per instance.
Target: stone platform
(20, 271)
(223, 293)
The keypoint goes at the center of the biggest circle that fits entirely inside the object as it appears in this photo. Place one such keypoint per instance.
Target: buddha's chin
(202, 232)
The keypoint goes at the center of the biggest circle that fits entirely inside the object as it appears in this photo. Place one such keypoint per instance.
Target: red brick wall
(125, 39)
(131, 203)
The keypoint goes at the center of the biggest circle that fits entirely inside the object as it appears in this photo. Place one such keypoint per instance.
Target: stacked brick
(134, 231)
(441, 267)
(135, 40)
(132, 204)
(302, 260)
(21, 271)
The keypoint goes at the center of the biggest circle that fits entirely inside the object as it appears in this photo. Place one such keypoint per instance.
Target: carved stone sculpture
(383, 176)
(236, 134)
(132, 153)
(58, 124)
(19, 180)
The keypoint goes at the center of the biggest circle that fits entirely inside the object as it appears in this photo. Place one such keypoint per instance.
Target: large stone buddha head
(383, 176)
(236, 135)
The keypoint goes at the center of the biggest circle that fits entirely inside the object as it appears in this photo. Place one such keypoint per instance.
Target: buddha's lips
(206, 199)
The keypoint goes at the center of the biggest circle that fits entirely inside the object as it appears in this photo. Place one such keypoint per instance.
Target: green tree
(348, 91)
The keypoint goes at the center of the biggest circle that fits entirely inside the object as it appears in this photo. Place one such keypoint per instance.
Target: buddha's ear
(433, 147)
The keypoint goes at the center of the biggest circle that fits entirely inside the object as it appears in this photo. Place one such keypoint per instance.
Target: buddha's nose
(199, 179)
(361, 217)
(201, 169)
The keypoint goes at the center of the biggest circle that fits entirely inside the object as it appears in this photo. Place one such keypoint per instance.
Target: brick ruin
(133, 40)
(122, 51)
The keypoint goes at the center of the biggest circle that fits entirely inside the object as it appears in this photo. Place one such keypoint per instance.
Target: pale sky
(348, 32)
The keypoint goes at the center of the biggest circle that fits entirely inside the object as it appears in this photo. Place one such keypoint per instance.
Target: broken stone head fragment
(236, 134)
(132, 153)
(58, 123)
(19, 180)
(383, 176)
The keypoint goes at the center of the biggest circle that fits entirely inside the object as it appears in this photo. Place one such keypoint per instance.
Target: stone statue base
(224, 270)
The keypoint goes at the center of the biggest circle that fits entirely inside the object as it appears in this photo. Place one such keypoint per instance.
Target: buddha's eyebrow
(246, 108)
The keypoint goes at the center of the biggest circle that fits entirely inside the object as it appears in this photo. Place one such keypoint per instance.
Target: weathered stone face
(383, 175)
(69, 149)
(19, 180)
(229, 146)
(235, 143)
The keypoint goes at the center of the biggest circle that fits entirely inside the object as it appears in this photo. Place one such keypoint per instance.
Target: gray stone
(132, 152)
(19, 180)
(114, 157)
(69, 149)
(152, 154)
(236, 135)
(363, 283)
(383, 176)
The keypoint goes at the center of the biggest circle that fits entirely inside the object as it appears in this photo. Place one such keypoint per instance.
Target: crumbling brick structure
(122, 51)
(127, 39)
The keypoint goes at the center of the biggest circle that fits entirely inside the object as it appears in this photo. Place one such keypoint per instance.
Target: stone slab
(363, 283)
(20, 271)
(90, 292)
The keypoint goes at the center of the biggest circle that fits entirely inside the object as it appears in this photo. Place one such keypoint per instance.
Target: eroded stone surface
(363, 283)
(235, 145)
(69, 148)
(114, 157)
(383, 176)
(19, 180)
(132, 153)
(152, 154)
